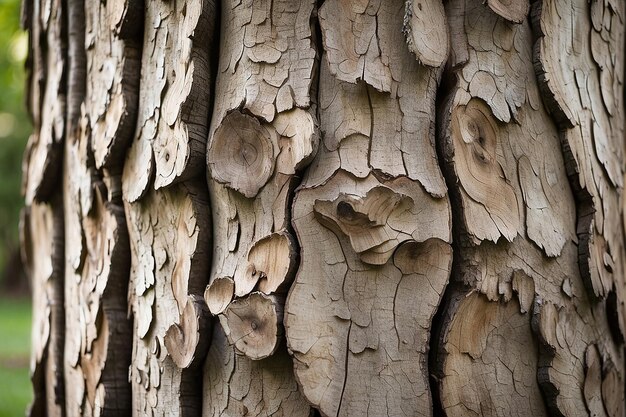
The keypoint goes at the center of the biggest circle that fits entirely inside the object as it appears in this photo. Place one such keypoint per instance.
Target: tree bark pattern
(336, 208)
(44, 265)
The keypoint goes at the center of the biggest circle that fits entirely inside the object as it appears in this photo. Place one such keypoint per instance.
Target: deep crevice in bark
(445, 88)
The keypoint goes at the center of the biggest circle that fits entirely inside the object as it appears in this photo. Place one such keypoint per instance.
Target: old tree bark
(333, 208)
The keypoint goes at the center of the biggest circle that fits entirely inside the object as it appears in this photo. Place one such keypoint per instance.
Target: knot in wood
(476, 129)
(474, 132)
(219, 293)
(186, 342)
(241, 153)
(364, 219)
(345, 210)
(272, 263)
(253, 324)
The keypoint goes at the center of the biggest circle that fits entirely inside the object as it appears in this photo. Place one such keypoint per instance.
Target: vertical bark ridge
(167, 208)
(483, 322)
(102, 95)
(75, 18)
(591, 118)
(263, 134)
(42, 218)
(518, 247)
(41, 230)
(169, 232)
(372, 218)
(47, 98)
(583, 90)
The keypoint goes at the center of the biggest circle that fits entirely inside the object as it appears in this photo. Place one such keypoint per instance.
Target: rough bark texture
(334, 208)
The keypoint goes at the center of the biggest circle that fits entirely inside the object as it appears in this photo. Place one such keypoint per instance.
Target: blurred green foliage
(14, 124)
(15, 390)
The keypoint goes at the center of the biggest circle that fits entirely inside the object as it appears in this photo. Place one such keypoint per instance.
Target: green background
(15, 391)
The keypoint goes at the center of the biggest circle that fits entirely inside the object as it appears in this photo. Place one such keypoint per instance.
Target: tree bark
(333, 208)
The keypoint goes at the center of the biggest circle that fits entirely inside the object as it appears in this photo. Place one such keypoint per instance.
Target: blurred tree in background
(14, 130)
(15, 126)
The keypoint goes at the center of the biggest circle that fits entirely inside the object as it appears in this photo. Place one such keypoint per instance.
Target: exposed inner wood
(426, 31)
(219, 294)
(510, 172)
(47, 99)
(514, 11)
(169, 232)
(41, 225)
(476, 145)
(113, 49)
(236, 385)
(187, 341)
(171, 129)
(98, 331)
(373, 222)
(475, 339)
(241, 154)
(581, 92)
(253, 325)
(263, 133)
(275, 258)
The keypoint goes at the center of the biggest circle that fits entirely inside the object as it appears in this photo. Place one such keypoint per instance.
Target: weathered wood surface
(41, 228)
(46, 97)
(98, 330)
(520, 242)
(43, 260)
(335, 208)
(263, 133)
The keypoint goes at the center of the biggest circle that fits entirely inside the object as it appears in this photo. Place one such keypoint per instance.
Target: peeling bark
(510, 172)
(47, 98)
(263, 133)
(335, 208)
(169, 234)
(373, 223)
(41, 230)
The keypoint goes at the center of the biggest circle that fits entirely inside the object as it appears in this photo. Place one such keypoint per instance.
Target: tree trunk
(333, 208)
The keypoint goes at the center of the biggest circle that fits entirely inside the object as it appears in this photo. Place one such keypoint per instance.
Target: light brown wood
(479, 333)
(580, 91)
(98, 331)
(426, 31)
(42, 221)
(372, 222)
(263, 134)
(326, 208)
(219, 294)
(186, 340)
(241, 154)
(253, 325)
(47, 99)
(519, 240)
(41, 230)
(170, 135)
(274, 258)
(169, 231)
(236, 385)
(514, 11)
(374, 184)
(113, 45)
